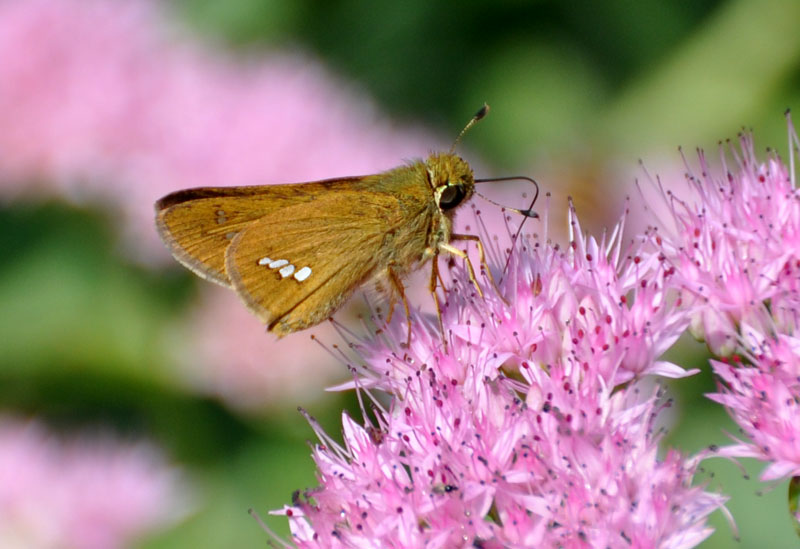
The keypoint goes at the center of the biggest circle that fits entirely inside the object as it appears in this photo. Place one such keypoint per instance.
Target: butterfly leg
(435, 278)
(391, 308)
(398, 286)
(463, 255)
(484, 265)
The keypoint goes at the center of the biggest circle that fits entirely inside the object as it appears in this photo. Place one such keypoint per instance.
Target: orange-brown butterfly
(294, 253)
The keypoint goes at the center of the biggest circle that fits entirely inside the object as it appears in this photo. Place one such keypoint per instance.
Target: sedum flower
(533, 428)
(736, 245)
(735, 254)
(763, 397)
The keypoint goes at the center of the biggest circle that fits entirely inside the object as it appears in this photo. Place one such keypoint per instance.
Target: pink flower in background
(83, 494)
(525, 432)
(108, 101)
(225, 352)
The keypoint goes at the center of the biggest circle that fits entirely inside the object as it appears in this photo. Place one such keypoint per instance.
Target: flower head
(599, 301)
(763, 397)
(735, 254)
(521, 431)
(88, 494)
(733, 245)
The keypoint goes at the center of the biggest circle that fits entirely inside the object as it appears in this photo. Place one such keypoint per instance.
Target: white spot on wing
(286, 271)
(264, 261)
(278, 263)
(302, 274)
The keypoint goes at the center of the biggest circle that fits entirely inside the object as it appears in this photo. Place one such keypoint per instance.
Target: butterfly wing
(198, 225)
(295, 266)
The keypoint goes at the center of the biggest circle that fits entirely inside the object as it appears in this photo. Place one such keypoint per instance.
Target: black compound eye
(451, 197)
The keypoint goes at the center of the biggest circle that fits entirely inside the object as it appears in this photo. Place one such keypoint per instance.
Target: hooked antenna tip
(478, 115)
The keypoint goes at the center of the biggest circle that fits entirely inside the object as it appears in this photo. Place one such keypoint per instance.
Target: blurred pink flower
(105, 99)
(530, 430)
(223, 351)
(109, 101)
(81, 494)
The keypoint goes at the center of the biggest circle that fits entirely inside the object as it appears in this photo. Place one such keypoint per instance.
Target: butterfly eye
(451, 197)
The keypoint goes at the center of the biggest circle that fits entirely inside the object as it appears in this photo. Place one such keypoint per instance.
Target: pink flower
(225, 352)
(80, 494)
(732, 245)
(524, 432)
(735, 252)
(601, 300)
(107, 101)
(763, 398)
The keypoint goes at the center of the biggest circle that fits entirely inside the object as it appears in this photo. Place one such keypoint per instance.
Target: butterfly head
(451, 179)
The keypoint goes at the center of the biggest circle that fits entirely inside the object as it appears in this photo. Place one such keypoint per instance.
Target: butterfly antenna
(525, 213)
(478, 115)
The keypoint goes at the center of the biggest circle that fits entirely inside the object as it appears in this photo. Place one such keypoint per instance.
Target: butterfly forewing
(296, 265)
(198, 225)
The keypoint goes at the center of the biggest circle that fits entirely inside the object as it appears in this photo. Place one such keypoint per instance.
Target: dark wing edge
(180, 253)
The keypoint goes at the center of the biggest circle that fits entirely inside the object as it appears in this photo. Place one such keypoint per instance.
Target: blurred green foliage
(622, 77)
(596, 82)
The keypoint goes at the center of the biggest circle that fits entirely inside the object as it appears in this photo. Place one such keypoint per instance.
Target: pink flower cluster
(536, 424)
(80, 494)
(530, 429)
(735, 250)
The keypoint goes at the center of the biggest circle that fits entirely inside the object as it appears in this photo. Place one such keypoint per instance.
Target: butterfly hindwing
(295, 266)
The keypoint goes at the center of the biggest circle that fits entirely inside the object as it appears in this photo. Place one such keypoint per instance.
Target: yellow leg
(398, 285)
(435, 277)
(441, 280)
(391, 308)
(463, 255)
(481, 254)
